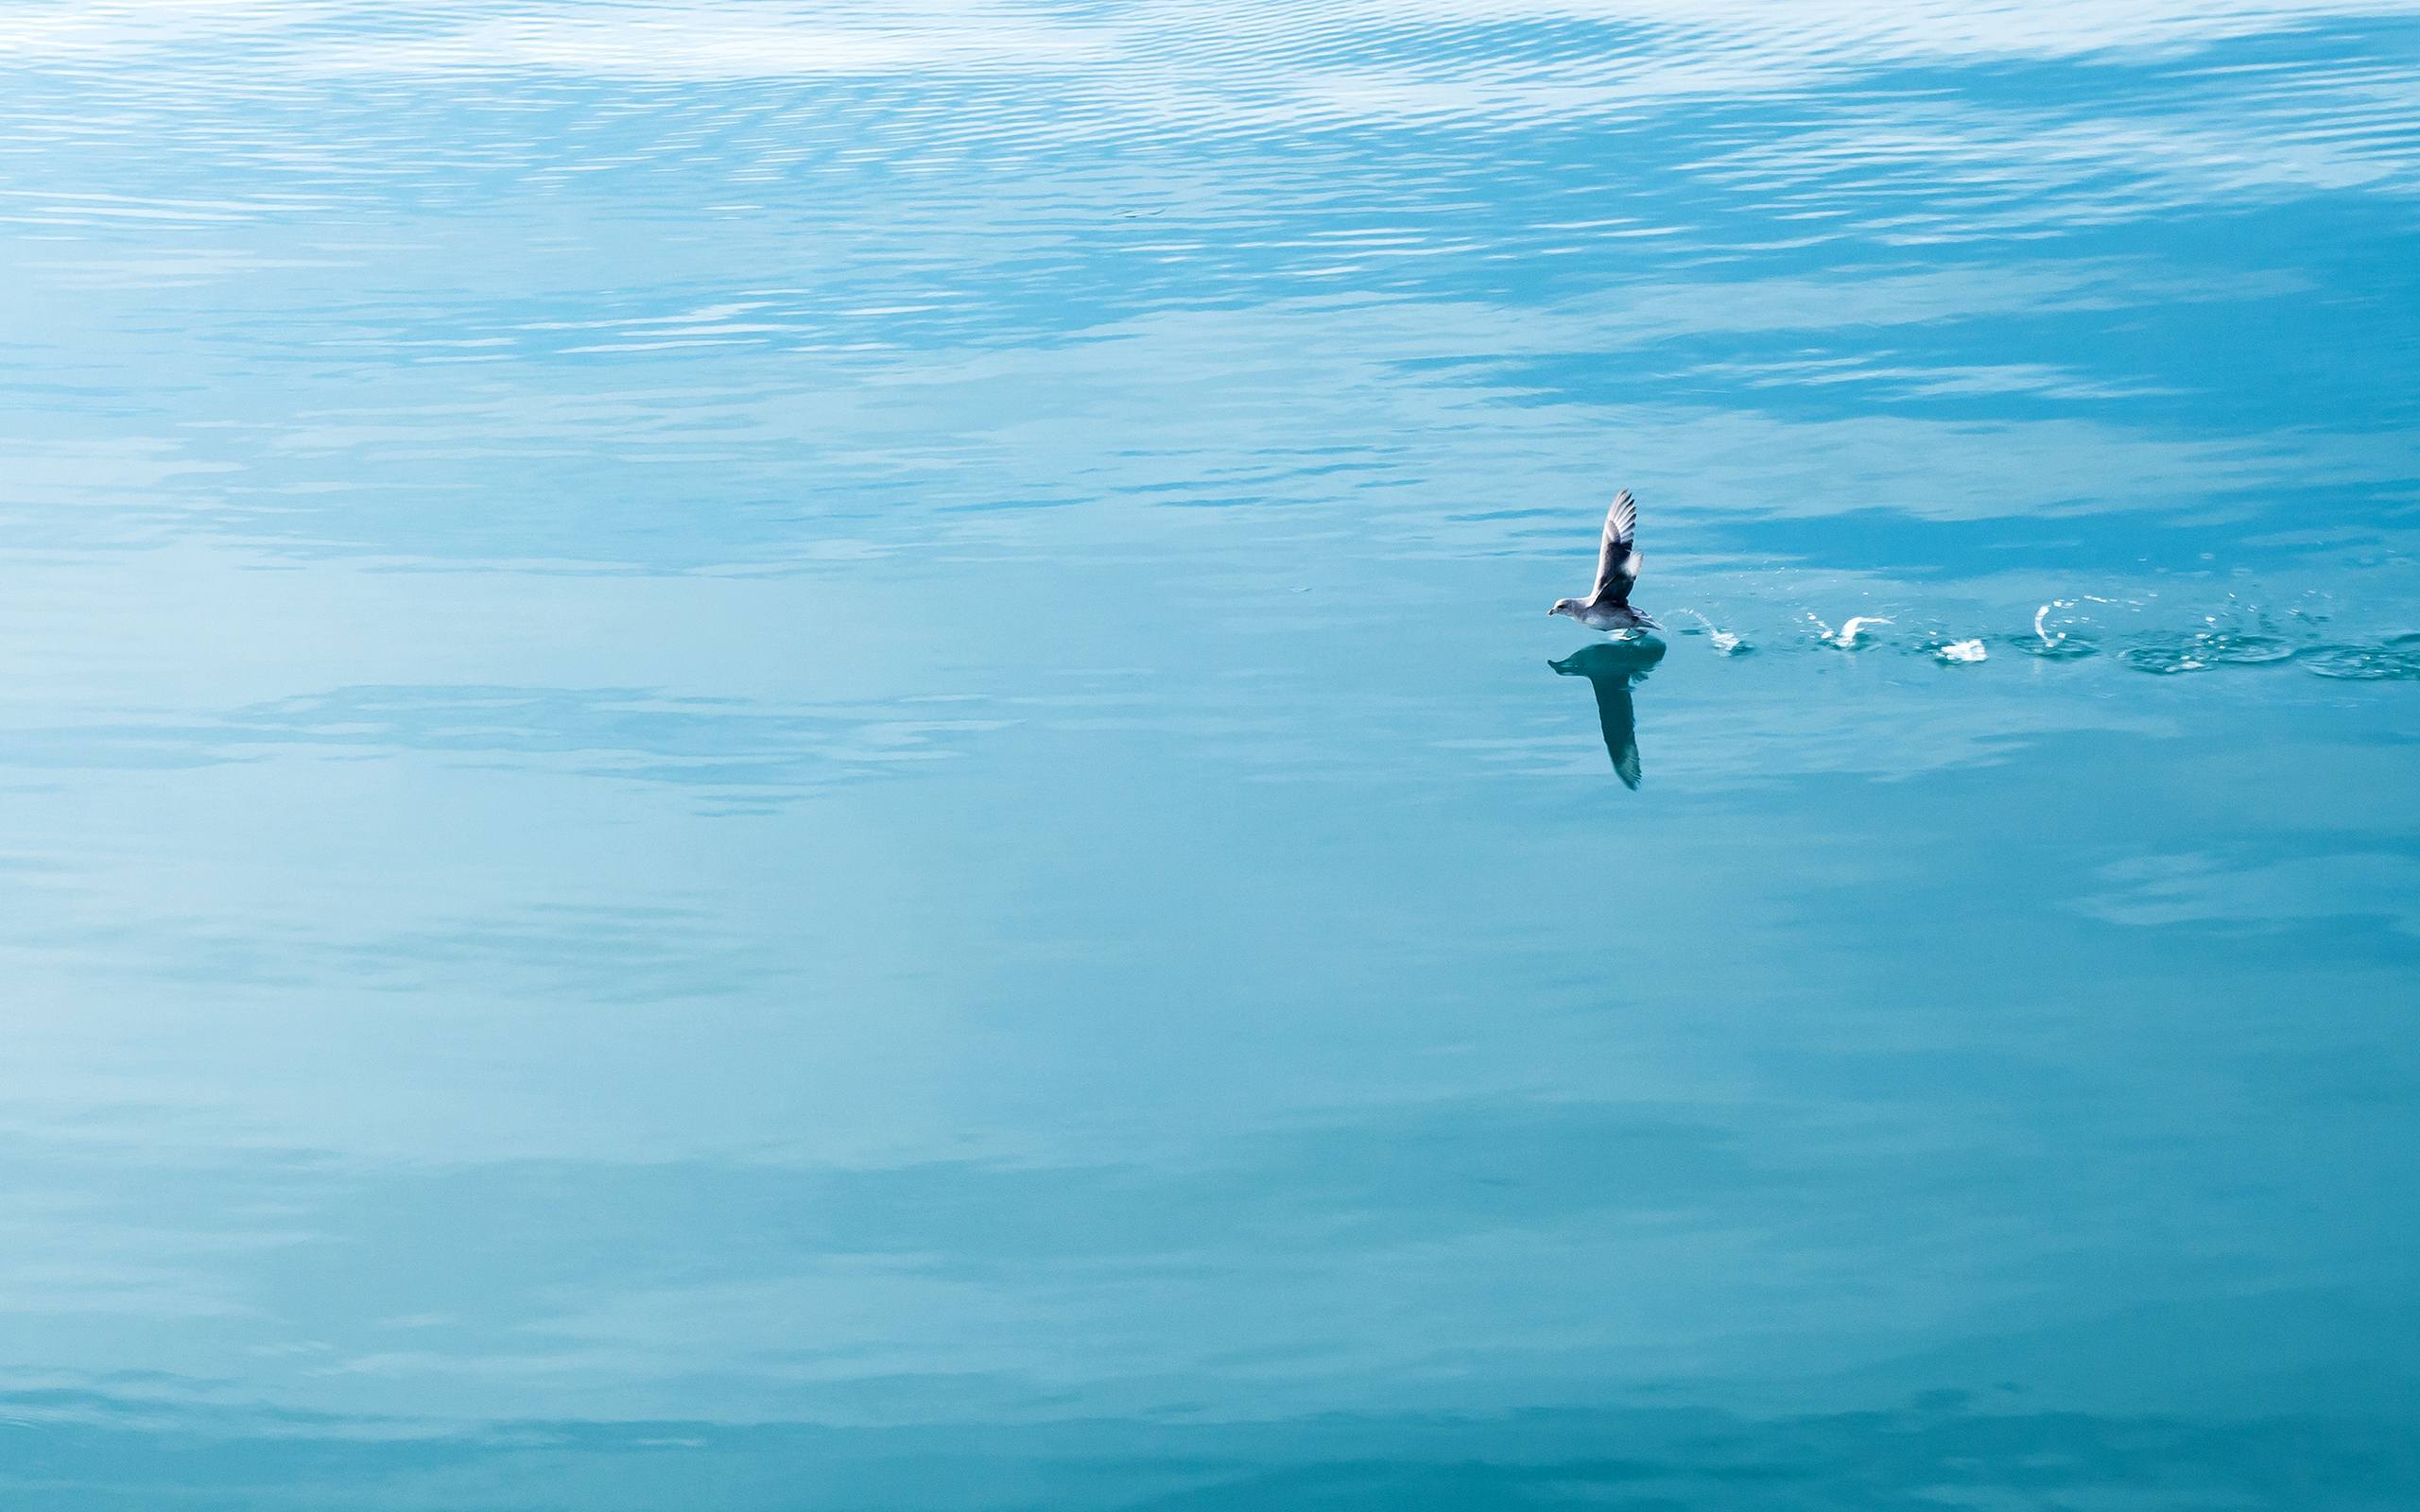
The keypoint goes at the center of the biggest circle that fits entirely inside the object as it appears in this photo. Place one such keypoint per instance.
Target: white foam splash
(1962, 651)
(1723, 642)
(1851, 634)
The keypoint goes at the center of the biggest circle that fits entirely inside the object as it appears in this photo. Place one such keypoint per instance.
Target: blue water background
(766, 756)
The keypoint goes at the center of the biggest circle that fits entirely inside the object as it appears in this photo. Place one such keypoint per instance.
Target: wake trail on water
(2159, 636)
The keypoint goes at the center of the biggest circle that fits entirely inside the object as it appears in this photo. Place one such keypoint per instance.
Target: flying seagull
(1613, 668)
(1617, 564)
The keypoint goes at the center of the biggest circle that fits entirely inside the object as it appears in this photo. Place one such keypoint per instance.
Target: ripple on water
(2169, 655)
(2395, 659)
(2241, 634)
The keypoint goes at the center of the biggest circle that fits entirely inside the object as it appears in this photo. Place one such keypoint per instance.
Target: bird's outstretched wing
(1618, 560)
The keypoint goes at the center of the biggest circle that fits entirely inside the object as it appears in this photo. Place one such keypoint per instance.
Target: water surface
(781, 757)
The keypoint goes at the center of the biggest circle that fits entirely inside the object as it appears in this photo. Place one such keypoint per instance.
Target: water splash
(1851, 634)
(2067, 642)
(2160, 632)
(1724, 641)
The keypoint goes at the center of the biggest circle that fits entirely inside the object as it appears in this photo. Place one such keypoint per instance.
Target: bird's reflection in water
(1613, 668)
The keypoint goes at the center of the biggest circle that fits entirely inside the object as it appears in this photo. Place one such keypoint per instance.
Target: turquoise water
(783, 757)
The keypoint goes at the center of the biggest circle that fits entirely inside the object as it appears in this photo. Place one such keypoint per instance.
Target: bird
(1607, 606)
(1613, 668)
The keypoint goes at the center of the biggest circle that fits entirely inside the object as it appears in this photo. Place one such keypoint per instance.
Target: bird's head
(1564, 606)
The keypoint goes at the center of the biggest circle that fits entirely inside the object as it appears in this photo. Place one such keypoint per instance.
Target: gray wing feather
(1618, 559)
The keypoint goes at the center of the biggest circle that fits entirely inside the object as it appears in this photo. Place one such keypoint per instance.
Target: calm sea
(781, 756)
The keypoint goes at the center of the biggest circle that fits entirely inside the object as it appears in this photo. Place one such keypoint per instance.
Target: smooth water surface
(780, 756)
